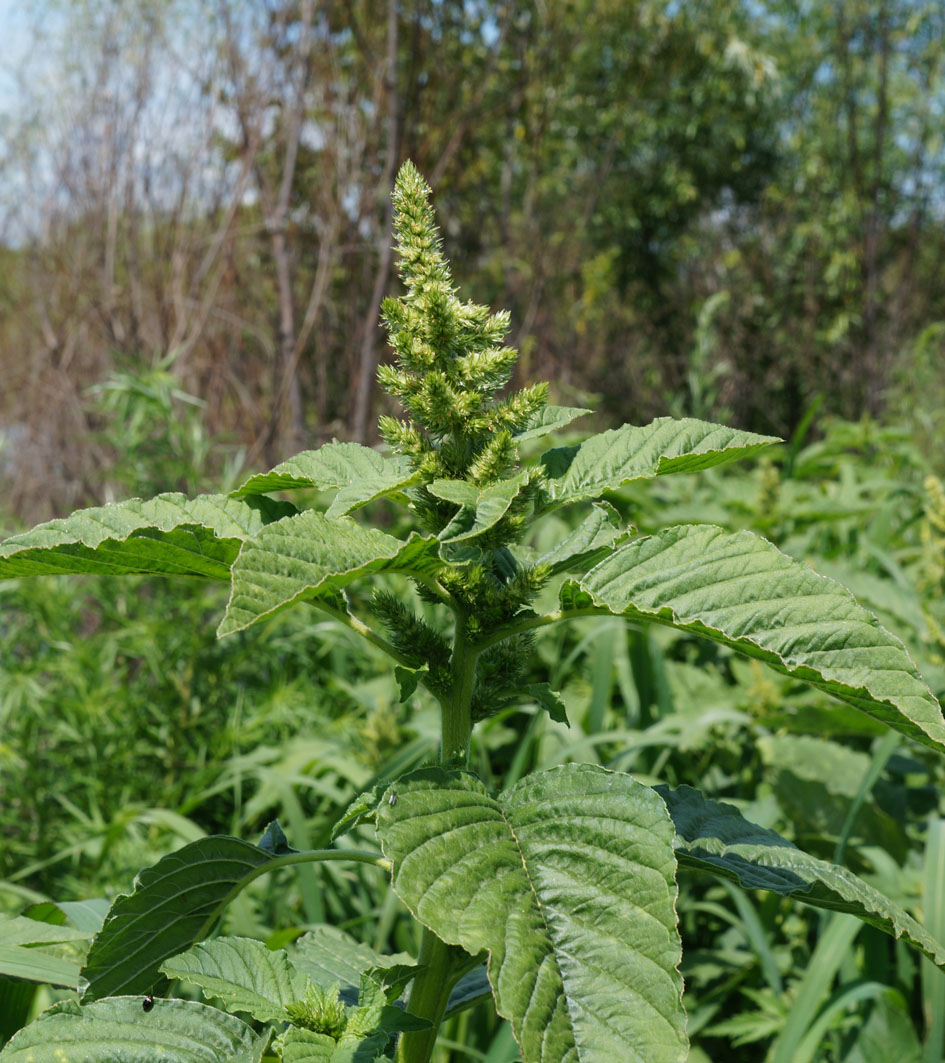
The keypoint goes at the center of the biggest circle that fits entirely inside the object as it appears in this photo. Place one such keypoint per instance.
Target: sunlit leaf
(170, 535)
(243, 974)
(567, 880)
(549, 419)
(738, 589)
(174, 1031)
(361, 474)
(308, 555)
(608, 460)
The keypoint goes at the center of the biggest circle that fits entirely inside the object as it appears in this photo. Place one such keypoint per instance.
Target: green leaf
(714, 837)
(84, 916)
(361, 810)
(174, 1031)
(175, 903)
(739, 590)
(408, 679)
(593, 539)
(481, 509)
(307, 555)
(170, 535)
(305, 1046)
(544, 697)
(274, 840)
(329, 956)
(568, 881)
(549, 419)
(887, 1034)
(608, 460)
(362, 474)
(38, 965)
(19, 930)
(469, 990)
(243, 974)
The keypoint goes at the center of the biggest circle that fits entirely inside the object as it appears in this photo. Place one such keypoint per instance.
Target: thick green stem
(456, 717)
(431, 988)
(429, 996)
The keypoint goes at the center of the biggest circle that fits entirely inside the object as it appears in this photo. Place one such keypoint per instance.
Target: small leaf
(738, 589)
(568, 881)
(361, 473)
(243, 974)
(481, 509)
(608, 460)
(361, 810)
(408, 679)
(714, 837)
(306, 1046)
(547, 699)
(274, 840)
(175, 903)
(306, 556)
(549, 419)
(175, 1031)
(170, 535)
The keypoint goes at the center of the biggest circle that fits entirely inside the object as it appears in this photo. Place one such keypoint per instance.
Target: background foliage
(726, 209)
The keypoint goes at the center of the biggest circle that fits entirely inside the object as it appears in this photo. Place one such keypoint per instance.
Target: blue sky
(13, 42)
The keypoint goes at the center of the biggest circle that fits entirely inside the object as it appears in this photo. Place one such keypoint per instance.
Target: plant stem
(532, 623)
(428, 998)
(431, 988)
(456, 718)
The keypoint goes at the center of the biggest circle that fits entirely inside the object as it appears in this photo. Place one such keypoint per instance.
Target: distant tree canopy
(725, 209)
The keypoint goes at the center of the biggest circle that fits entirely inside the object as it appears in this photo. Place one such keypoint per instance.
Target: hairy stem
(456, 710)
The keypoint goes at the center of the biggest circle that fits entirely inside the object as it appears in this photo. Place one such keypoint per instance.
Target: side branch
(532, 623)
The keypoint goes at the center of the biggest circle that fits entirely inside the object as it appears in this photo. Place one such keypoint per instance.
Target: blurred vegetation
(128, 729)
(727, 208)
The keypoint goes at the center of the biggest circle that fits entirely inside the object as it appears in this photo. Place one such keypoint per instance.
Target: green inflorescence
(450, 362)
(319, 1010)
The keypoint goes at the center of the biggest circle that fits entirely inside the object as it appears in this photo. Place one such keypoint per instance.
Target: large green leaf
(306, 1046)
(243, 974)
(715, 837)
(738, 589)
(174, 1031)
(167, 535)
(362, 475)
(308, 555)
(175, 903)
(568, 881)
(608, 460)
